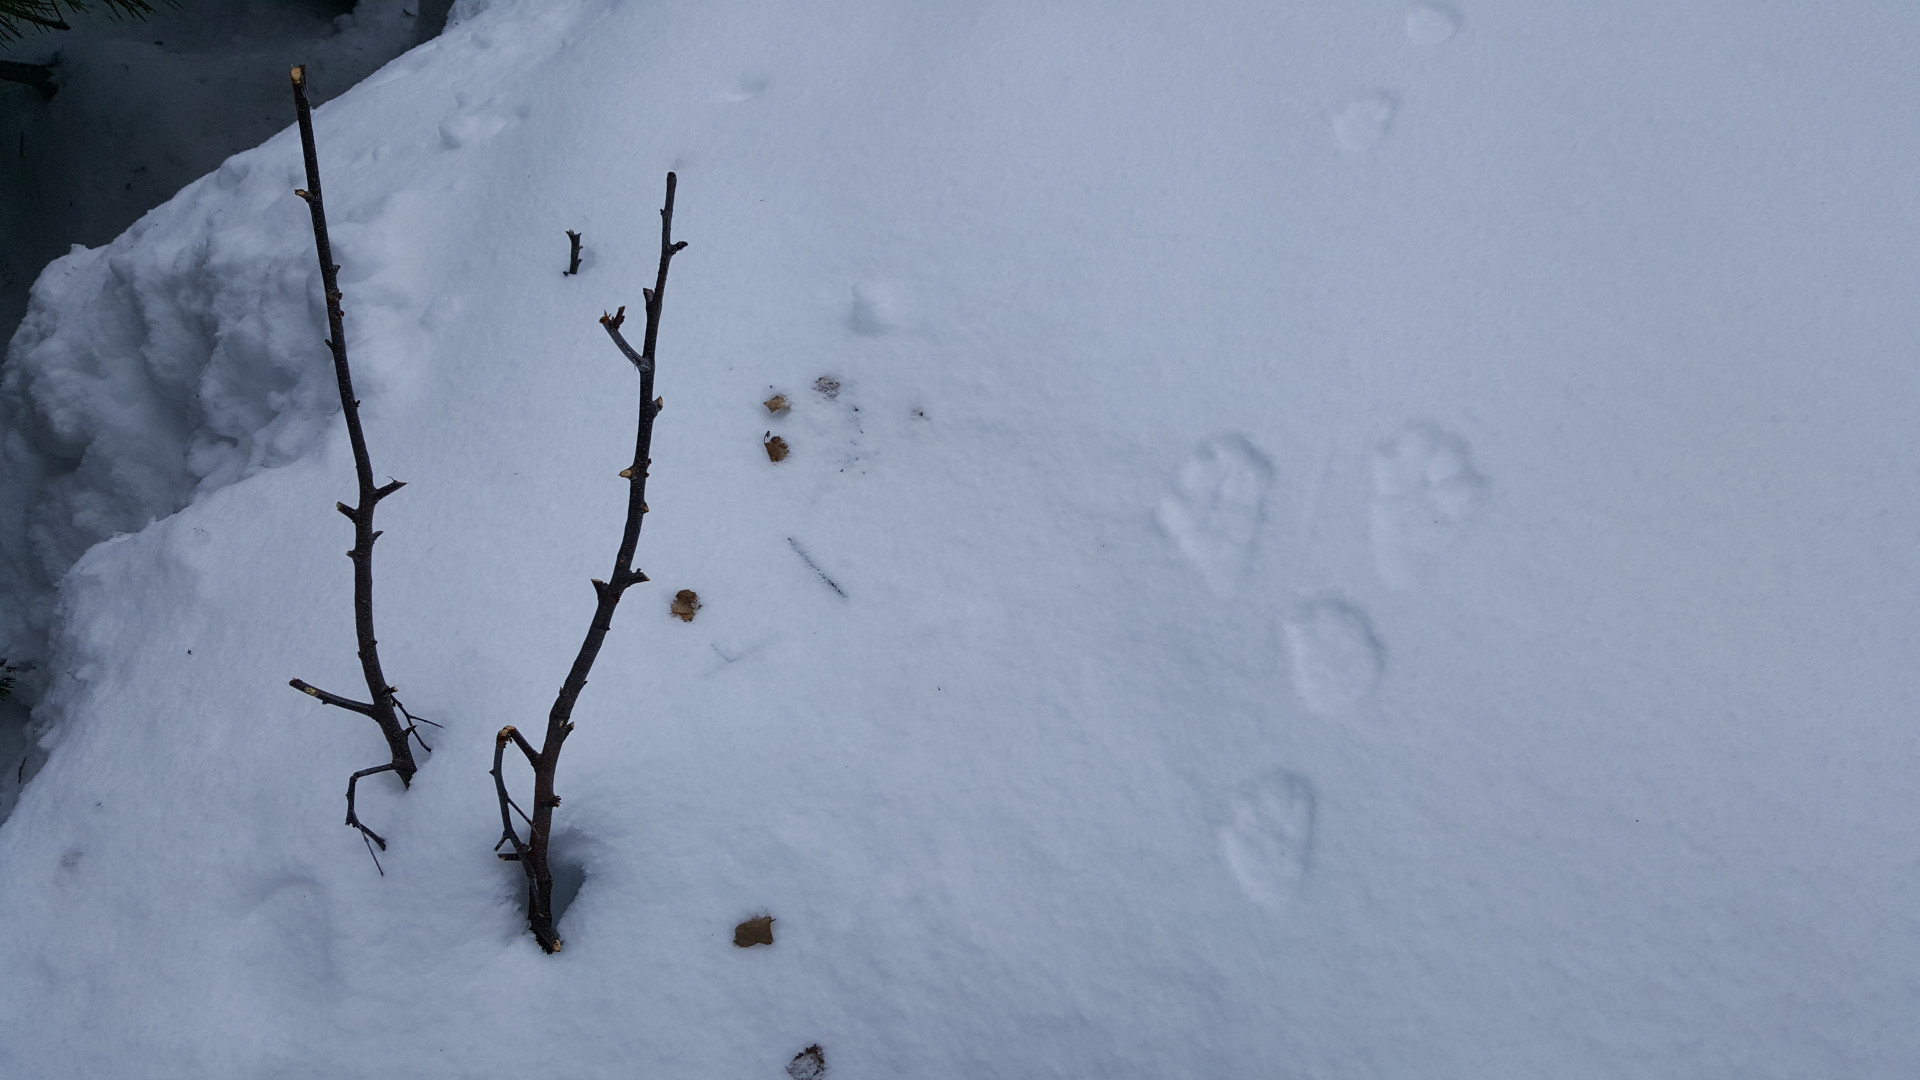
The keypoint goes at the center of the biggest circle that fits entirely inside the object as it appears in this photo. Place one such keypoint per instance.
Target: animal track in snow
(287, 930)
(1214, 510)
(1363, 120)
(1267, 836)
(879, 307)
(1337, 659)
(478, 123)
(749, 87)
(459, 131)
(1431, 24)
(1425, 492)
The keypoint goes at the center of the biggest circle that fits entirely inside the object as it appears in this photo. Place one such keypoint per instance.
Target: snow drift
(1319, 541)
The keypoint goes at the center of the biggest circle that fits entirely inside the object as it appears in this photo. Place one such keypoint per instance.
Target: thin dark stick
(508, 834)
(353, 819)
(573, 262)
(805, 558)
(382, 709)
(413, 725)
(532, 853)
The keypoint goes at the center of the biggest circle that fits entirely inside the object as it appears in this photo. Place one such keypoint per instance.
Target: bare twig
(353, 819)
(531, 853)
(383, 709)
(573, 261)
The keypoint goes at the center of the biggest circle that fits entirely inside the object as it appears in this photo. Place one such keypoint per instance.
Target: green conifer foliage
(19, 17)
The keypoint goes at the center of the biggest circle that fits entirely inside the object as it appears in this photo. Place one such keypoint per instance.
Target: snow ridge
(182, 357)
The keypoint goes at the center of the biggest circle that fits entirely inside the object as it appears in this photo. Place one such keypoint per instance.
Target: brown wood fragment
(755, 931)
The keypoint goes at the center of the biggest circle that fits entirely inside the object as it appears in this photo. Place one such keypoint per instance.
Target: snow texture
(1239, 602)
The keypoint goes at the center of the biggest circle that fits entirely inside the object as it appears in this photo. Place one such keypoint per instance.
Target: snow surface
(1345, 541)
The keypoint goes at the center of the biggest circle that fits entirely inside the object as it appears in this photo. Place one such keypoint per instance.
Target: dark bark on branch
(573, 261)
(383, 709)
(531, 853)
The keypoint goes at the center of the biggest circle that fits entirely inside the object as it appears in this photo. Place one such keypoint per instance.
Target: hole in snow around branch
(569, 869)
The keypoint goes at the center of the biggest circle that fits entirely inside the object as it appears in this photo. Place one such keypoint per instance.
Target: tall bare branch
(531, 853)
(383, 708)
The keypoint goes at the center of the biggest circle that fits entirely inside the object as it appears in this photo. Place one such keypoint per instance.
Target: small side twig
(573, 261)
(531, 853)
(353, 818)
(383, 708)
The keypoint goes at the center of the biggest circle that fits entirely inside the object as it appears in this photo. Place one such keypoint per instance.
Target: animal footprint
(478, 123)
(1431, 24)
(1425, 492)
(1337, 660)
(1267, 838)
(750, 86)
(879, 307)
(1363, 121)
(459, 131)
(1213, 512)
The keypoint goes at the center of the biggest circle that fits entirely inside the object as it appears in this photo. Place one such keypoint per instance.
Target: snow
(1348, 541)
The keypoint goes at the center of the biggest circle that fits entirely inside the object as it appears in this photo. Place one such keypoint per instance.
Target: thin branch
(573, 261)
(508, 834)
(335, 700)
(353, 818)
(520, 741)
(532, 854)
(612, 323)
(382, 708)
(413, 725)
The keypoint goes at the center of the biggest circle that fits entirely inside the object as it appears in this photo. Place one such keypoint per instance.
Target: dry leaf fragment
(776, 446)
(755, 931)
(808, 1064)
(827, 387)
(778, 403)
(685, 603)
